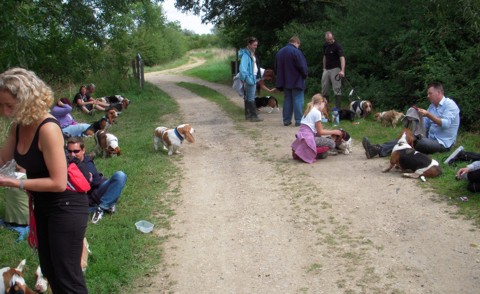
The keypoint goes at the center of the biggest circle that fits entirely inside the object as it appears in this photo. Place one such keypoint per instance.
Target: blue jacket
(246, 67)
(291, 68)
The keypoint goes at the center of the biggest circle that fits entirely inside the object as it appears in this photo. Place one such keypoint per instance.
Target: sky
(187, 21)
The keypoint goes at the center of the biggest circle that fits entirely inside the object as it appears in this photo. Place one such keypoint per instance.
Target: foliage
(394, 49)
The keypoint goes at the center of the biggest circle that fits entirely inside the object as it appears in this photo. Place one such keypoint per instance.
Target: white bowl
(144, 226)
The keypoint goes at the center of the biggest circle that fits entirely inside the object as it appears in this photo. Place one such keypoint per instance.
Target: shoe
(370, 150)
(111, 209)
(255, 119)
(97, 215)
(452, 156)
(287, 123)
(297, 124)
(322, 155)
(332, 152)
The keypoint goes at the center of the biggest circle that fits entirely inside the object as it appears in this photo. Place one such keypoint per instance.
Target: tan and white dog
(106, 144)
(343, 143)
(12, 281)
(406, 158)
(171, 139)
(391, 117)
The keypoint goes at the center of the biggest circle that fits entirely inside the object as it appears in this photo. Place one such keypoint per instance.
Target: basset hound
(12, 281)
(106, 144)
(103, 123)
(362, 108)
(171, 139)
(407, 159)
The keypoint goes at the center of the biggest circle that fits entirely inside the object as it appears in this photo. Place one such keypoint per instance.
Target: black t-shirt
(332, 53)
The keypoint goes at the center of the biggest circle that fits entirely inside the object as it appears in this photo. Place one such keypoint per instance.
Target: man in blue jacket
(105, 192)
(291, 68)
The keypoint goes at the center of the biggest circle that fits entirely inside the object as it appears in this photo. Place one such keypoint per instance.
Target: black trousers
(61, 220)
(474, 181)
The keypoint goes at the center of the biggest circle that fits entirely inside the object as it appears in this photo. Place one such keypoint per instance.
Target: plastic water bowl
(144, 226)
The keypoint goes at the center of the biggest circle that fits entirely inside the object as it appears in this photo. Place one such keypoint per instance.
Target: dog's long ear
(187, 133)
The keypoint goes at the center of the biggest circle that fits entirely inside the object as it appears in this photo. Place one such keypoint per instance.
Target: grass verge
(120, 253)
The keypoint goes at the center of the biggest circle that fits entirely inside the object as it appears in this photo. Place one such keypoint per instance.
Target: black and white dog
(267, 101)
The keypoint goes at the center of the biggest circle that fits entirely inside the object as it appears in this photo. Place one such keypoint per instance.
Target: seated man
(472, 174)
(104, 192)
(441, 122)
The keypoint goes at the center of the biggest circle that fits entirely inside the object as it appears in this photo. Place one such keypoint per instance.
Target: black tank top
(33, 160)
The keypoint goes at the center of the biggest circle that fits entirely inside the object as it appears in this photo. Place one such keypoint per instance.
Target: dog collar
(178, 135)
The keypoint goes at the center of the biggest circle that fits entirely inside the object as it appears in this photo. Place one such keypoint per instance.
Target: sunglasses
(73, 151)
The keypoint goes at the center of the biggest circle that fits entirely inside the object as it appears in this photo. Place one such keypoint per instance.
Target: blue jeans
(250, 92)
(111, 189)
(75, 130)
(293, 103)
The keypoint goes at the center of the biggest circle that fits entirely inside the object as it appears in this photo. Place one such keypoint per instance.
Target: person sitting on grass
(471, 173)
(86, 103)
(62, 112)
(441, 122)
(104, 192)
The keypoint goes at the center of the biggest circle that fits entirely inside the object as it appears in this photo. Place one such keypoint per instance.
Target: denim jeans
(250, 92)
(293, 104)
(111, 189)
(75, 130)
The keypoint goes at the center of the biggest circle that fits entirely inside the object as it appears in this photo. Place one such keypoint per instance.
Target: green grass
(120, 253)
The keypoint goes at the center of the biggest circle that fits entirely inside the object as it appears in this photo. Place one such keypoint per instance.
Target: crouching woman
(305, 144)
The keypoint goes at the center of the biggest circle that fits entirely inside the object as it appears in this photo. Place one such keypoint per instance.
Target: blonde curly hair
(34, 98)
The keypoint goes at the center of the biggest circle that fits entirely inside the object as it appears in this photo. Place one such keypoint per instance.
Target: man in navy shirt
(291, 68)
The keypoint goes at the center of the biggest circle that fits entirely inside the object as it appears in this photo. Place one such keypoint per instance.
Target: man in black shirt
(333, 65)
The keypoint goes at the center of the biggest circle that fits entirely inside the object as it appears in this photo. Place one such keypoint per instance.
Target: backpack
(78, 176)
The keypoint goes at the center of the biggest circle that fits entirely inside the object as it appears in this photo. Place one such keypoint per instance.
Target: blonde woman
(36, 143)
(308, 137)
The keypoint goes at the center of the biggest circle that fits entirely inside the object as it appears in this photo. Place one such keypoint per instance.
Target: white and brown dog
(12, 281)
(343, 143)
(390, 117)
(407, 159)
(362, 108)
(106, 144)
(171, 139)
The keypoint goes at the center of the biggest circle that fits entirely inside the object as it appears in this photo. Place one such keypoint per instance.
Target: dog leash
(338, 78)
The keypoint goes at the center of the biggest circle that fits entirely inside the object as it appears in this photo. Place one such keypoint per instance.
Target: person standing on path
(292, 70)
(249, 74)
(333, 68)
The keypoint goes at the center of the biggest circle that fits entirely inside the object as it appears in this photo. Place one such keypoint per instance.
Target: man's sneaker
(452, 156)
(111, 209)
(370, 150)
(97, 215)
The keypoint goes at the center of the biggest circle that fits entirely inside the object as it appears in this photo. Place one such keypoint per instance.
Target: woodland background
(393, 48)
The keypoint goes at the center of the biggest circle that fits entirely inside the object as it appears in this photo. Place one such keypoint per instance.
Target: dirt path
(252, 220)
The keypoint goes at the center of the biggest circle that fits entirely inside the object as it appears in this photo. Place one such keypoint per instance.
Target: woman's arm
(263, 86)
(60, 111)
(321, 131)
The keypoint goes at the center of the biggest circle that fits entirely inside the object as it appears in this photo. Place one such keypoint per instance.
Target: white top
(312, 117)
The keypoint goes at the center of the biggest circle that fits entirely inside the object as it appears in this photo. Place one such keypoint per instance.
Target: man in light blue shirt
(441, 121)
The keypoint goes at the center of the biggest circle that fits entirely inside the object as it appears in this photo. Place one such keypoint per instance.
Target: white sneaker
(453, 155)
(97, 215)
